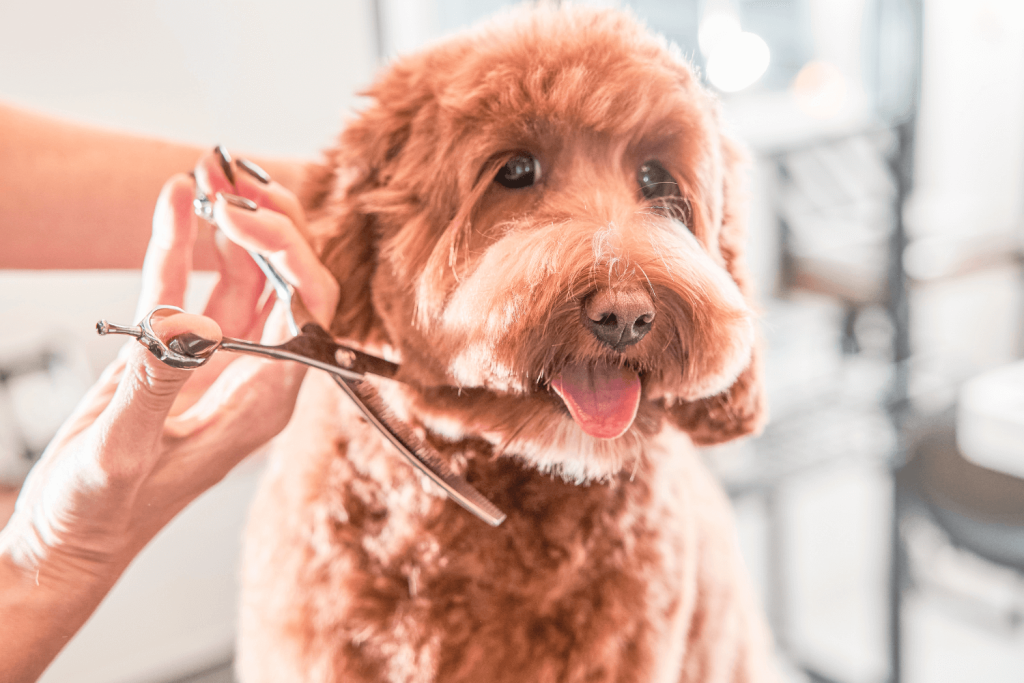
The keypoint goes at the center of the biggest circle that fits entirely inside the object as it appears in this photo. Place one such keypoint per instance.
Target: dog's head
(542, 219)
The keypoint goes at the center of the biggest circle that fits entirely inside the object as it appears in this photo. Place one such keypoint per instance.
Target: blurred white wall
(269, 77)
(970, 156)
(969, 191)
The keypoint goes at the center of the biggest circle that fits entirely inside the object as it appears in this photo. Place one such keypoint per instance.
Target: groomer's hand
(148, 438)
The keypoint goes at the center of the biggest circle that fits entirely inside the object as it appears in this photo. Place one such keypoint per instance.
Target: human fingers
(234, 301)
(218, 171)
(275, 236)
(220, 308)
(133, 421)
(169, 255)
(248, 404)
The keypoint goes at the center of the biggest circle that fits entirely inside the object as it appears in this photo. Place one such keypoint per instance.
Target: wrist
(27, 558)
(44, 600)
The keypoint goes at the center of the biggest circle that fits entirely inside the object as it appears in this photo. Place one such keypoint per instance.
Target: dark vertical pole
(777, 600)
(899, 310)
(902, 167)
(899, 296)
(787, 269)
(1019, 259)
(379, 29)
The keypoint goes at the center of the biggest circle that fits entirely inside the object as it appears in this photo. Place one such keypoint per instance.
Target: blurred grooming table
(990, 420)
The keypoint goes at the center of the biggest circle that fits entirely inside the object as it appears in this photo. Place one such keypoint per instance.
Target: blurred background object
(881, 512)
(37, 386)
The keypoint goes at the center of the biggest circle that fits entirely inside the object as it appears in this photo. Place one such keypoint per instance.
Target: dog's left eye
(655, 181)
(522, 170)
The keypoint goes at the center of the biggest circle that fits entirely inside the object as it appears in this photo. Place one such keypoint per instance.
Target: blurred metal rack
(23, 450)
(839, 205)
(856, 184)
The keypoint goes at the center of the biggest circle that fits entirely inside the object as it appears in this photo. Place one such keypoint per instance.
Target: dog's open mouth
(602, 399)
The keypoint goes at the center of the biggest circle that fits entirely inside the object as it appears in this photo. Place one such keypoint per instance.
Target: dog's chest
(579, 583)
(573, 570)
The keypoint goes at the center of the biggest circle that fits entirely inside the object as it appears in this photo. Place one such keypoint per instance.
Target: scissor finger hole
(172, 355)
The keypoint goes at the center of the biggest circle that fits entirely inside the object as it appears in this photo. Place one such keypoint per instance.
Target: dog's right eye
(662, 191)
(522, 170)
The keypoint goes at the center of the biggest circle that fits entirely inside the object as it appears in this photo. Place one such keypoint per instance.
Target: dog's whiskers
(659, 252)
(650, 285)
(547, 321)
(508, 440)
(636, 467)
(452, 259)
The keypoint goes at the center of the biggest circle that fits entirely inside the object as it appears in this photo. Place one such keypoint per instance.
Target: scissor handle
(173, 353)
(313, 347)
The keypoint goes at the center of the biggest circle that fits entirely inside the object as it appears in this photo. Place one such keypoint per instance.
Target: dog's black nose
(619, 318)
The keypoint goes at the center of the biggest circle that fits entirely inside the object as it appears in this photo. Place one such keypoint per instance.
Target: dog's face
(541, 220)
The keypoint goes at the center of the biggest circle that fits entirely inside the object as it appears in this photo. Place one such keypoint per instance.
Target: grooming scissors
(312, 345)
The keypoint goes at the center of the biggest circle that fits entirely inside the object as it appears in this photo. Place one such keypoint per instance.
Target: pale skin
(147, 439)
(81, 197)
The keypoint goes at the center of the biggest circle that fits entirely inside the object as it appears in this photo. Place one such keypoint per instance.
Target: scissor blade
(316, 348)
(316, 342)
(311, 349)
(420, 454)
(283, 353)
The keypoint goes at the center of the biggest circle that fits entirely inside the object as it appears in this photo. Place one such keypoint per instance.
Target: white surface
(65, 305)
(969, 169)
(255, 75)
(990, 420)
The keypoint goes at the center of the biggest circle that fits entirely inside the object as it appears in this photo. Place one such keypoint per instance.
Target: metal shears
(315, 347)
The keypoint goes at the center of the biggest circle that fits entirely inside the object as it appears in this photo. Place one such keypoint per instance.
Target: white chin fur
(566, 451)
(475, 367)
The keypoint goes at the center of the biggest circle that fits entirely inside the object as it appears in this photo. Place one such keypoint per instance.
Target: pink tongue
(603, 399)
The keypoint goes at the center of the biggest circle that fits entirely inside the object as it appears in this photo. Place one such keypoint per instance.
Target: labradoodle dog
(541, 220)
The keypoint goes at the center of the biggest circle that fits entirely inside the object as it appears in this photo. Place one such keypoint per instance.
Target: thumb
(134, 419)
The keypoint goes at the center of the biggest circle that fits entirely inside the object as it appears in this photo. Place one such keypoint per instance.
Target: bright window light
(737, 60)
(820, 90)
(716, 27)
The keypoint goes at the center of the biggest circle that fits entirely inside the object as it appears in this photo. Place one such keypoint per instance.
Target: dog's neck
(439, 414)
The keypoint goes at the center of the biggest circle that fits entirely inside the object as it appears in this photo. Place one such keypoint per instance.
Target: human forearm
(73, 196)
(40, 610)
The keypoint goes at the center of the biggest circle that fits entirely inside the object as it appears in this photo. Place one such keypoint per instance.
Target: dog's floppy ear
(741, 409)
(348, 199)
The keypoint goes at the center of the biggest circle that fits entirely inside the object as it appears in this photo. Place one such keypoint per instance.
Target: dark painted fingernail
(189, 344)
(225, 163)
(240, 202)
(253, 170)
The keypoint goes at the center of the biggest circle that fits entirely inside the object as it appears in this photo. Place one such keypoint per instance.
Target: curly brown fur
(617, 561)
